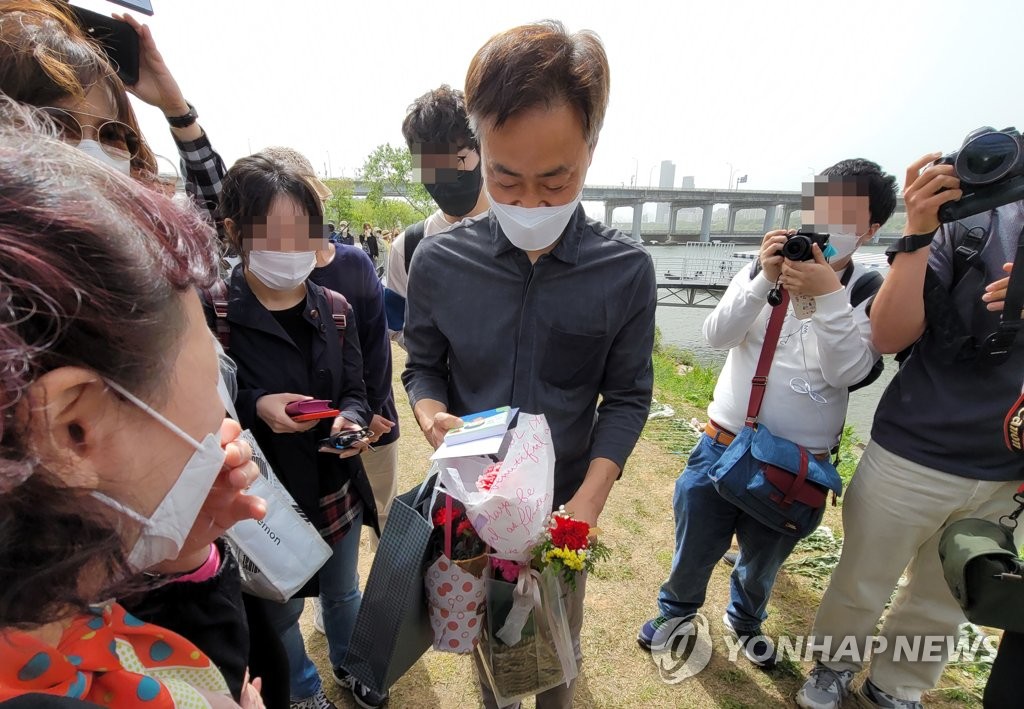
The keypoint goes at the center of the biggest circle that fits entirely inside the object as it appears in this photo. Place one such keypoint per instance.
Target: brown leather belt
(719, 435)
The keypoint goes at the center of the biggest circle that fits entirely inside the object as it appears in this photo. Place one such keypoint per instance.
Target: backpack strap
(865, 287)
(339, 313)
(413, 236)
(217, 296)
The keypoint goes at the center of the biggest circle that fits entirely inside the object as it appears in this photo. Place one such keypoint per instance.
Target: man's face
(835, 206)
(538, 158)
(439, 163)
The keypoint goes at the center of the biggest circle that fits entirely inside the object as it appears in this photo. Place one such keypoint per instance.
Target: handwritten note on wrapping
(510, 516)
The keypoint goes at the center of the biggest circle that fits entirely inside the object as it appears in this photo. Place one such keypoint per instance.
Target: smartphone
(345, 439)
(311, 410)
(118, 40)
(143, 6)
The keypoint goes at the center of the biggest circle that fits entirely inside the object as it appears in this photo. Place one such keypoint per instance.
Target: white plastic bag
(280, 553)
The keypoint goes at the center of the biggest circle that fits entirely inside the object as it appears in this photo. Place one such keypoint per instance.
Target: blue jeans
(705, 523)
(339, 597)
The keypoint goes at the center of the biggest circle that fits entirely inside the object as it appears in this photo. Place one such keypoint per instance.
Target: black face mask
(457, 198)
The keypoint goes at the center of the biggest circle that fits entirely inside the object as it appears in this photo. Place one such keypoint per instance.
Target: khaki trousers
(381, 465)
(894, 513)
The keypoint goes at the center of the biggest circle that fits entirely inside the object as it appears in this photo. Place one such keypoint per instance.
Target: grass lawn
(637, 524)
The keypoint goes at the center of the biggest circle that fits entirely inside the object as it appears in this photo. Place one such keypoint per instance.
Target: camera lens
(987, 158)
(797, 248)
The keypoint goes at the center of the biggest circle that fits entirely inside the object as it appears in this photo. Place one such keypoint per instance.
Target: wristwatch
(184, 121)
(909, 243)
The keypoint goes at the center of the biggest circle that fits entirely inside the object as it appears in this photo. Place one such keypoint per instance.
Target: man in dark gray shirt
(534, 305)
(936, 452)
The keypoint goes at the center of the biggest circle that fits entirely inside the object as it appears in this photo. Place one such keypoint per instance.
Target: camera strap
(759, 383)
(996, 347)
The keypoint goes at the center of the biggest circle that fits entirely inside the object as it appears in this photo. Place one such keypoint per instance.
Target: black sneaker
(361, 694)
(756, 647)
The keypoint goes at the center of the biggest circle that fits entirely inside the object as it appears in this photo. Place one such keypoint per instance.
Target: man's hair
(439, 117)
(871, 182)
(539, 65)
(330, 225)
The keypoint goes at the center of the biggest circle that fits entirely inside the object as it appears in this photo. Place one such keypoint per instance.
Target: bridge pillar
(769, 218)
(673, 213)
(787, 212)
(730, 225)
(638, 215)
(707, 211)
(609, 212)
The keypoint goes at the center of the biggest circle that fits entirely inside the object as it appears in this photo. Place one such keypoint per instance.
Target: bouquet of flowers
(456, 580)
(569, 548)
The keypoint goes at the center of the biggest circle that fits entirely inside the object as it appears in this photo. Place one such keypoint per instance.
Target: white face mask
(96, 152)
(164, 532)
(843, 239)
(533, 228)
(282, 270)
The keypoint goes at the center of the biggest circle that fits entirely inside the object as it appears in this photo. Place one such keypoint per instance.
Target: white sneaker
(825, 688)
(318, 617)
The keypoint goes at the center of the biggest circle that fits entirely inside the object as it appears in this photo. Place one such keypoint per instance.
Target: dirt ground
(637, 524)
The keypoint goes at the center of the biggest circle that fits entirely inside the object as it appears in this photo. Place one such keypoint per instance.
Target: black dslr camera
(990, 167)
(798, 245)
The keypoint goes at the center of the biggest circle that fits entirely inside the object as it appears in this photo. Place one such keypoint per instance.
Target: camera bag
(984, 571)
(777, 482)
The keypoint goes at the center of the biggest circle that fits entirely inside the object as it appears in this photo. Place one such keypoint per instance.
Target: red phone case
(310, 410)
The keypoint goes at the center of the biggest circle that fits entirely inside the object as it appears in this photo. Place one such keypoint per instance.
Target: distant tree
(389, 169)
(339, 206)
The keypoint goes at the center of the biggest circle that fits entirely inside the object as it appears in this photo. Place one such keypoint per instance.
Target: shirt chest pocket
(572, 359)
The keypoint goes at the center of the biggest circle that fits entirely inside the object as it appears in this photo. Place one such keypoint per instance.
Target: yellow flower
(570, 559)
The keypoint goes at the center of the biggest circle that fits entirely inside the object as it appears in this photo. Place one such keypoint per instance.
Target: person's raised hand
(770, 256)
(815, 277)
(923, 193)
(156, 85)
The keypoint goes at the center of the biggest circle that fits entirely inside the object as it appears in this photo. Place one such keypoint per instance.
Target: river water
(682, 327)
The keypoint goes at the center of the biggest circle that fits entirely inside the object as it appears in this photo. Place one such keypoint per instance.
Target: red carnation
(570, 533)
(440, 517)
(464, 527)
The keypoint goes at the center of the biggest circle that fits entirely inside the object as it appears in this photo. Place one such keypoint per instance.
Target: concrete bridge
(777, 208)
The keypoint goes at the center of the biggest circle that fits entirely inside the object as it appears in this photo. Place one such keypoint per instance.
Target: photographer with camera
(936, 452)
(820, 355)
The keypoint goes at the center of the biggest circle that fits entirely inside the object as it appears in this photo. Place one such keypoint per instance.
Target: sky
(723, 88)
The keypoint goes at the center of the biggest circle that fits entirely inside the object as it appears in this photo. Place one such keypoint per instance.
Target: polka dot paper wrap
(455, 602)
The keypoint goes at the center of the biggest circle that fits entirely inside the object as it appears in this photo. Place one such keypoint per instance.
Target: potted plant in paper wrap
(455, 581)
(525, 645)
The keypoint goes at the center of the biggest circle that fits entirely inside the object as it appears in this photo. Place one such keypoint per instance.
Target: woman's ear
(66, 409)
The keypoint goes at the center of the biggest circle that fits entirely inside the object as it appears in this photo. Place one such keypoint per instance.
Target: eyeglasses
(118, 140)
(801, 386)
